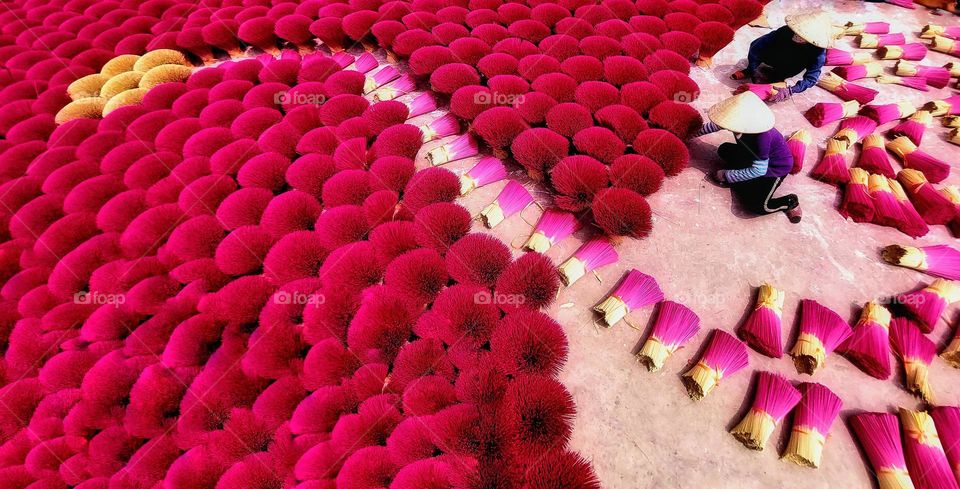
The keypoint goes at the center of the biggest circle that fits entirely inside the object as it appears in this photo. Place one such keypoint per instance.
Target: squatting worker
(799, 46)
(755, 165)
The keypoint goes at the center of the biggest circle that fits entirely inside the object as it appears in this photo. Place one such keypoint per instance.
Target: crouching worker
(756, 164)
(799, 46)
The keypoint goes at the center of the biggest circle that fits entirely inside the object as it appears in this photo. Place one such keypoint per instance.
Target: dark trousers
(756, 194)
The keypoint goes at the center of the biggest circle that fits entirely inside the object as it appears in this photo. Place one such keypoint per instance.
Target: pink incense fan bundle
(554, 225)
(917, 352)
(935, 76)
(724, 356)
(821, 332)
(774, 399)
(937, 260)
(872, 69)
(488, 170)
(832, 83)
(832, 168)
(888, 112)
(933, 169)
(512, 199)
(593, 254)
(868, 41)
(874, 158)
(879, 435)
(634, 291)
(812, 419)
(823, 113)
(841, 57)
(913, 128)
(913, 51)
(674, 326)
(798, 142)
(933, 206)
(930, 31)
(928, 304)
(762, 330)
(926, 459)
(947, 421)
(869, 345)
(857, 203)
(857, 28)
(464, 146)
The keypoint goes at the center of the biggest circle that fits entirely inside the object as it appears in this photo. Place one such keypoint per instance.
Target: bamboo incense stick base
(805, 447)
(653, 354)
(571, 270)
(918, 381)
(700, 380)
(613, 310)
(492, 215)
(538, 242)
(808, 354)
(951, 354)
(754, 430)
(893, 478)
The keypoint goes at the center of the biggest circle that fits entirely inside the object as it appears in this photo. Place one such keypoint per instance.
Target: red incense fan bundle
(869, 346)
(775, 397)
(512, 199)
(867, 41)
(946, 45)
(857, 28)
(821, 332)
(798, 142)
(832, 83)
(947, 421)
(936, 76)
(938, 260)
(553, 227)
(914, 82)
(854, 129)
(816, 412)
(913, 128)
(424, 103)
(879, 435)
(593, 254)
(857, 203)
(840, 57)
(724, 356)
(823, 113)
(917, 352)
(947, 106)
(888, 112)
(832, 168)
(912, 224)
(872, 69)
(463, 146)
(399, 87)
(934, 169)
(926, 459)
(440, 127)
(928, 304)
(488, 170)
(930, 204)
(634, 291)
(913, 51)
(675, 325)
(762, 329)
(873, 157)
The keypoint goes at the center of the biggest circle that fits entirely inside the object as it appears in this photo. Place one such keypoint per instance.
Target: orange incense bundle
(675, 325)
(762, 329)
(812, 419)
(832, 168)
(926, 459)
(634, 291)
(917, 352)
(798, 142)
(888, 112)
(938, 260)
(823, 113)
(928, 304)
(880, 40)
(821, 332)
(887, 210)
(933, 169)
(912, 224)
(913, 127)
(873, 156)
(879, 435)
(775, 397)
(857, 204)
(930, 204)
(946, 45)
(724, 356)
(869, 346)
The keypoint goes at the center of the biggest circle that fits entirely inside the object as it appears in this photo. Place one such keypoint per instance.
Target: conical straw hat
(743, 113)
(814, 27)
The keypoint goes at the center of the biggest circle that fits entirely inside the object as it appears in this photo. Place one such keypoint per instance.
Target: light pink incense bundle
(914, 82)
(947, 106)
(812, 419)
(933, 206)
(840, 57)
(398, 88)
(512, 199)
(836, 85)
(947, 421)
(869, 345)
(857, 203)
(821, 332)
(934, 169)
(887, 210)
(926, 459)
(913, 128)
(554, 225)
(913, 51)
(464, 146)
(441, 127)
(674, 326)
(916, 352)
(775, 397)
(888, 112)
(913, 224)
(823, 113)
(946, 45)
(867, 41)
(385, 75)
(936, 76)
(931, 31)
(937, 260)
(762, 330)
(593, 254)
(424, 103)
(872, 69)
(928, 304)
(857, 28)
(854, 129)
(798, 142)
(832, 168)
(634, 291)
(874, 158)
(879, 435)
(724, 356)
(488, 170)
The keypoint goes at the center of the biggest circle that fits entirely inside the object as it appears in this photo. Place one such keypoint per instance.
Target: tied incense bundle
(888, 112)
(512, 199)
(887, 210)
(636, 290)
(928, 304)
(913, 128)
(935, 76)
(821, 332)
(824, 113)
(914, 82)
(840, 57)
(762, 329)
(857, 28)
(933, 206)
(872, 69)
(775, 397)
(857, 203)
(590, 256)
(913, 51)
(488, 170)
(832, 168)
(947, 106)
(880, 40)
(934, 169)
(553, 226)
(912, 224)
(798, 142)
(869, 346)
(926, 459)
(931, 31)
(873, 156)
(836, 85)
(879, 435)
(917, 352)
(816, 412)
(946, 45)
(675, 325)
(724, 356)
(938, 260)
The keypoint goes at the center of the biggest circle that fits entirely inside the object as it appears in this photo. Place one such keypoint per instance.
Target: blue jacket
(787, 58)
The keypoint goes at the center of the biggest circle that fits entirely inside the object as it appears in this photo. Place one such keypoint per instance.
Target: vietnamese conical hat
(814, 27)
(744, 113)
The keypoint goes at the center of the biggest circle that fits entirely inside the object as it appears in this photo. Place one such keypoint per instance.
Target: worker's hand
(780, 96)
(719, 177)
(739, 75)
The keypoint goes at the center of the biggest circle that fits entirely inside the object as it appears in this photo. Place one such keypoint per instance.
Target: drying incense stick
(857, 28)
(947, 421)
(946, 45)
(832, 168)
(512, 199)
(913, 51)
(869, 345)
(821, 332)
(915, 82)
(840, 57)
(888, 112)
(912, 224)
(872, 69)
(385, 75)
(553, 226)
(836, 85)
(823, 113)
(634, 291)
(928, 304)
(488, 170)
(937, 260)
(398, 88)
(441, 127)
(762, 329)
(854, 129)
(593, 254)
(857, 203)
(464, 146)
(931, 31)
(947, 106)
(934, 169)
(913, 128)
(936, 76)
(916, 352)
(798, 142)
(675, 325)
(925, 457)
(775, 397)
(724, 356)
(880, 40)
(873, 157)
(812, 419)
(879, 435)
(887, 210)
(930, 204)
(424, 103)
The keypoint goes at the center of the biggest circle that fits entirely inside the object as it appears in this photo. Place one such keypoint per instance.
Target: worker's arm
(812, 74)
(761, 159)
(707, 128)
(757, 47)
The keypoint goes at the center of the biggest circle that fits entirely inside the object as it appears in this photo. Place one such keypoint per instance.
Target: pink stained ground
(640, 429)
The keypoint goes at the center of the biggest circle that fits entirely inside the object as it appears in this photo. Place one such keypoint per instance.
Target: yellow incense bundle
(124, 81)
(87, 87)
(123, 99)
(165, 74)
(84, 108)
(160, 57)
(120, 64)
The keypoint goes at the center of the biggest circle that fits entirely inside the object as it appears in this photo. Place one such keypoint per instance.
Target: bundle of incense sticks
(947, 421)
(931, 31)
(954, 136)
(934, 169)
(880, 40)
(937, 260)
(887, 210)
(869, 345)
(634, 291)
(952, 193)
(857, 28)
(928, 304)
(915, 82)
(917, 352)
(441, 127)
(798, 142)
(832, 168)
(399, 87)
(590, 256)
(913, 51)
(946, 45)
(832, 83)
(724, 356)
(872, 69)
(879, 435)
(930, 204)
(823, 113)
(951, 354)
(857, 203)
(554, 225)
(775, 397)
(926, 459)
(762, 329)
(912, 223)
(950, 121)
(888, 112)
(385, 75)
(873, 156)
(812, 419)
(464, 146)
(947, 106)
(840, 57)
(936, 76)
(913, 127)
(424, 103)
(821, 332)
(488, 170)
(674, 326)
(512, 199)
(854, 129)
(953, 68)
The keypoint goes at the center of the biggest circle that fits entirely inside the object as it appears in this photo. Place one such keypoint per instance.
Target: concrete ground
(640, 429)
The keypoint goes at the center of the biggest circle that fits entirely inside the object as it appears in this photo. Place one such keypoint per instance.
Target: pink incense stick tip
(343, 59)
(512, 199)
(485, 172)
(596, 253)
(634, 291)
(553, 226)
(365, 63)
(675, 325)
(440, 128)
(879, 435)
(423, 104)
